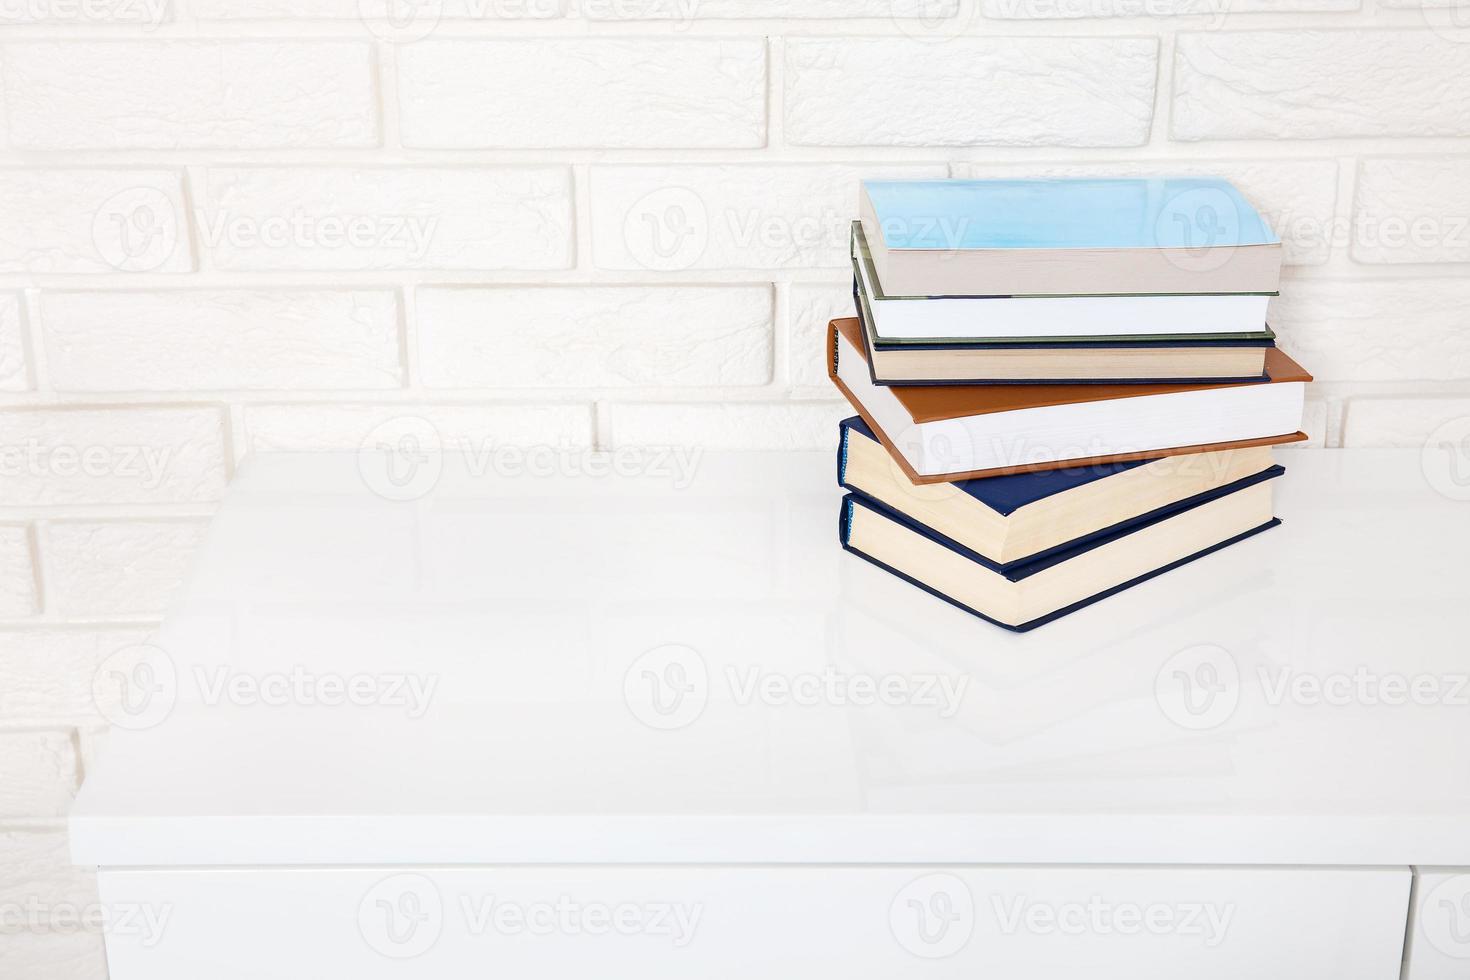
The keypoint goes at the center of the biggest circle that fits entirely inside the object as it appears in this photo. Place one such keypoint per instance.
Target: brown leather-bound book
(953, 432)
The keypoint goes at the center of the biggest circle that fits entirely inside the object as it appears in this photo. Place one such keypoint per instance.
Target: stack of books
(1063, 387)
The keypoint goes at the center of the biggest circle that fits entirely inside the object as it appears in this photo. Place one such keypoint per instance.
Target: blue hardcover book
(1035, 593)
(1087, 236)
(1012, 524)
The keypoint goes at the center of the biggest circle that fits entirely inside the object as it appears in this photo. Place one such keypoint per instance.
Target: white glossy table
(617, 725)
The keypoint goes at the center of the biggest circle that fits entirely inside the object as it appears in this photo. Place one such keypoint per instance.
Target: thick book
(952, 432)
(1092, 236)
(1010, 520)
(1057, 362)
(1060, 319)
(1028, 595)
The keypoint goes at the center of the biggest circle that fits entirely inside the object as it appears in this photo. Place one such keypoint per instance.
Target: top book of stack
(1097, 237)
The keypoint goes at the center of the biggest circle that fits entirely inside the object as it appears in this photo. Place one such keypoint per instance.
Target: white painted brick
(36, 872)
(1376, 330)
(347, 427)
(117, 569)
(1298, 197)
(52, 956)
(478, 218)
(970, 91)
(1316, 84)
(415, 22)
(1216, 13)
(1314, 422)
(929, 10)
(111, 456)
(13, 376)
(670, 218)
(184, 94)
(734, 426)
(595, 336)
(94, 221)
(223, 338)
(40, 773)
(1400, 422)
(17, 573)
(1412, 210)
(605, 92)
(48, 671)
(810, 306)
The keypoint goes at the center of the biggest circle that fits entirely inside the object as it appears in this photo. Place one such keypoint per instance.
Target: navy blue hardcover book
(1008, 599)
(988, 518)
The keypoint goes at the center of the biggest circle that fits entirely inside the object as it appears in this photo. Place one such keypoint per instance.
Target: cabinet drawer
(676, 922)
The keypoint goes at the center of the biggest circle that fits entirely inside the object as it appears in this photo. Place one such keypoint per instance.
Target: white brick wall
(234, 225)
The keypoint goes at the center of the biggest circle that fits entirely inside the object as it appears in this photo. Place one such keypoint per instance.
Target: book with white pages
(923, 319)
